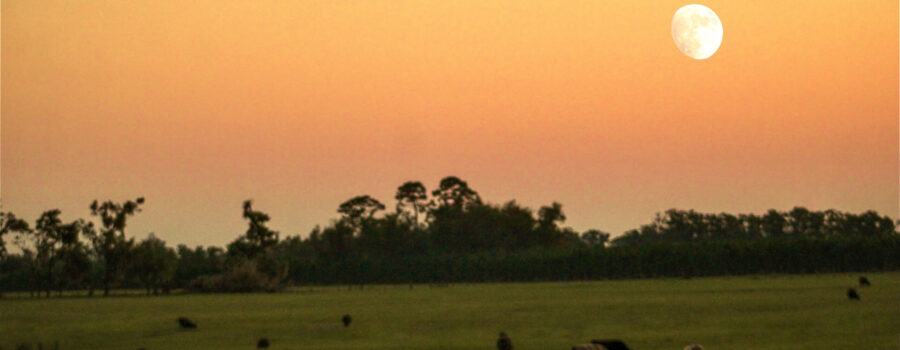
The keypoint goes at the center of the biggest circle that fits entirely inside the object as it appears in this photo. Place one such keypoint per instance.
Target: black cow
(864, 282)
(852, 295)
(262, 343)
(503, 343)
(611, 344)
(186, 323)
(346, 320)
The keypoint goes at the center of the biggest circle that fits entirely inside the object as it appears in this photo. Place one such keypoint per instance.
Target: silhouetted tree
(628, 238)
(258, 237)
(59, 258)
(455, 194)
(464, 240)
(154, 263)
(73, 254)
(360, 207)
(595, 238)
(677, 225)
(333, 242)
(798, 221)
(548, 219)
(752, 226)
(46, 237)
(193, 263)
(515, 224)
(452, 228)
(412, 195)
(835, 223)
(729, 227)
(871, 224)
(9, 223)
(773, 223)
(358, 212)
(17, 268)
(110, 244)
(391, 236)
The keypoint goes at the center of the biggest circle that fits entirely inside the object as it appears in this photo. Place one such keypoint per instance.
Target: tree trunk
(49, 279)
(106, 277)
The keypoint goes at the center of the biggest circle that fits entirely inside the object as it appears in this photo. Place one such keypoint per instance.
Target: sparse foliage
(412, 196)
(109, 242)
(9, 223)
(258, 237)
(154, 263)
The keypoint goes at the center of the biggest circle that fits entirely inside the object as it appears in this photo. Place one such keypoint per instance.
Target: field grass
(753, 312)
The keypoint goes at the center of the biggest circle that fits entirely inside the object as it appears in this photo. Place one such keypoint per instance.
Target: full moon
(697, 31)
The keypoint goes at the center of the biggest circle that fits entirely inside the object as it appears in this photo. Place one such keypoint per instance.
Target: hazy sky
(199, 105)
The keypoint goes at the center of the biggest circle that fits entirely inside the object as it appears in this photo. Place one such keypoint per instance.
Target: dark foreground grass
(765, 312)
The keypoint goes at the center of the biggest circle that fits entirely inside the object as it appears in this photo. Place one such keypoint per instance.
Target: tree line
(447, 235)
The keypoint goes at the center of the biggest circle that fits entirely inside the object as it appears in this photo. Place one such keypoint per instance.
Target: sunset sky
(199, 105)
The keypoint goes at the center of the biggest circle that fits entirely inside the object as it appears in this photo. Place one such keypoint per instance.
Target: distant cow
(503, 342)
(611, 344)
(693, 347)
(588, 346)
(346, 320)
(864, 282)
(262, 343)
(852, 295)
(186, 323)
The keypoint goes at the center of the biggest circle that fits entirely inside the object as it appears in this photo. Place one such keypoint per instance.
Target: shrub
(243, 277)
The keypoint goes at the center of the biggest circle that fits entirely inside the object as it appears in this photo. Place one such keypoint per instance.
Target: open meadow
(748, 312)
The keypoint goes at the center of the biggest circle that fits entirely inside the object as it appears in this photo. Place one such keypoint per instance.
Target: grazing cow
(346, 320)
(186, 323)
(693, 347)
(864, 282)
(851, 294)
(588, 346)
(503, 343)
(611, 344)
(262, 343)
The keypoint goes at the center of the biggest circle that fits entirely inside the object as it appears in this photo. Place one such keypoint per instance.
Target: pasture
(747, 312)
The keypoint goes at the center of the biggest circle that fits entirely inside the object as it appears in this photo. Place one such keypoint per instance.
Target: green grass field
(753, 312)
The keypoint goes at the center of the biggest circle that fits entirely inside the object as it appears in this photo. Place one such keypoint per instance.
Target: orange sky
(198, 105)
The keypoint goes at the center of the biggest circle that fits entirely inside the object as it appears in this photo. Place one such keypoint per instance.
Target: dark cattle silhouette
(503, 343)
(864, 282)
(186, 323)
(262, 343)
(346, 320)
(611, 344)
(852, 295)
